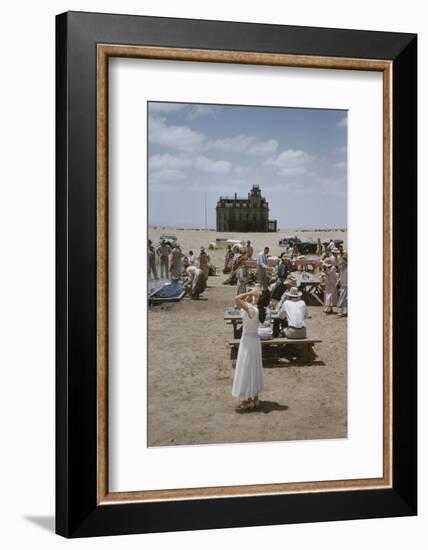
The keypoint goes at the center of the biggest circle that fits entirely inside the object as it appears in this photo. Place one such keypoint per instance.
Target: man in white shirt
(262, 266)
(335, 259)
(294, 310)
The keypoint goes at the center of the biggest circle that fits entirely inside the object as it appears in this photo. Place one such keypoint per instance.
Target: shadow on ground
(265, 407)
(281, 363)
(45, 522)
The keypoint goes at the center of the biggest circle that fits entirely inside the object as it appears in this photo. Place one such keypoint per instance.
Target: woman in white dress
(248, 379)
(330, 291)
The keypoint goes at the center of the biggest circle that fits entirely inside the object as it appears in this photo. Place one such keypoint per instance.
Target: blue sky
(296, 156)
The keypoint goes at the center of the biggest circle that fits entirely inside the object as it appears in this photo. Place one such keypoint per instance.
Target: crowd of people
(268, 295)
(174, 265)
(275, 307)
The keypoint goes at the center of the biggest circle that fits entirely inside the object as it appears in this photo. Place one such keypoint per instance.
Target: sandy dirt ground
(190, 372)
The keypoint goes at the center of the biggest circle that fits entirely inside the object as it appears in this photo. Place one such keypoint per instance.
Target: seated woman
(294, 310)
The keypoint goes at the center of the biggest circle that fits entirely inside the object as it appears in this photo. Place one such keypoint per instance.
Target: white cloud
(242, 170)
(212, 166)
(168, 162)
(196, 111)
(164, 176)
(290, 162)
(175, 137)
(167, 166)
(162, 107)
(183, 138)
(235, 144)
(221, 188)
(243, 143)
(264, 148)
(333, 186)
(342, 123)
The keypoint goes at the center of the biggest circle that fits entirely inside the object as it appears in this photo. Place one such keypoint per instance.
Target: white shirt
(262, 259)
(295, 312)
(335, 260)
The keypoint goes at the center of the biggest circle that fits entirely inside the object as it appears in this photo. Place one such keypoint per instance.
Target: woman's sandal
(248, 406)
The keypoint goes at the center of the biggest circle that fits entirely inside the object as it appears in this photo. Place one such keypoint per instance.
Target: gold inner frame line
(104, 51)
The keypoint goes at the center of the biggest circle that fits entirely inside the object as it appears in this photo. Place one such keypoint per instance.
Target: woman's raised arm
(241, 302)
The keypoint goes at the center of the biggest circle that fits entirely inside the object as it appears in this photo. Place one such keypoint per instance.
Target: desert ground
(190, 373)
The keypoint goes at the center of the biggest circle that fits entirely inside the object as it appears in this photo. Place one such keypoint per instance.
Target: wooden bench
(304, 347)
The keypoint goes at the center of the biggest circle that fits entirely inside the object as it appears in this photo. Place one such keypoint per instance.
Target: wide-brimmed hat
(294, 292)
(291, 280)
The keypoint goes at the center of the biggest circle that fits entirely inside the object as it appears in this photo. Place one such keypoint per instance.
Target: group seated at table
(285, 317)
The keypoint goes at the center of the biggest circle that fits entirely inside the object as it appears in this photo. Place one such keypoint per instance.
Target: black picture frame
(77, 511)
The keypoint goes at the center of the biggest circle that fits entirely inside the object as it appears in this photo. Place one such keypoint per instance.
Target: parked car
(337, 242)
(169, 239)
(307, 247)
(288, 239)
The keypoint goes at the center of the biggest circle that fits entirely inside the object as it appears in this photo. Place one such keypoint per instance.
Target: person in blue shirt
(262, 267)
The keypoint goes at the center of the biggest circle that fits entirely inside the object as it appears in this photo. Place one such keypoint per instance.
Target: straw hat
(291, 280)
(294, 292)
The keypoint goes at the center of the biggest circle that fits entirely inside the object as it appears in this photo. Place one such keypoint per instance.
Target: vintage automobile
(288, 239)
(169, 239)
(337, 242)
(307, 247)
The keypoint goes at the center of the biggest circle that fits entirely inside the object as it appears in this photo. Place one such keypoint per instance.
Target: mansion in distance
(245, 214)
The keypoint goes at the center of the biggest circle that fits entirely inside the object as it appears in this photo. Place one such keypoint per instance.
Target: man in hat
(163, 251)
(294, 310)
(331, 245)
(249, 250)
(262, 267)
(335, 258)
(176, 262)
(203, 263)
(151, 261)
(283, 270)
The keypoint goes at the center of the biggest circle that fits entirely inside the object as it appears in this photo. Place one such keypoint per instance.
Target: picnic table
(309, 284)
(233, 317)
(303, 347)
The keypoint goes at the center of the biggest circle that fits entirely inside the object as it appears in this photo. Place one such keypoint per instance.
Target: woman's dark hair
(263, 303)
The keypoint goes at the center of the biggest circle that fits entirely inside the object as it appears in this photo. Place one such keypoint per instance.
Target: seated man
(294, 310)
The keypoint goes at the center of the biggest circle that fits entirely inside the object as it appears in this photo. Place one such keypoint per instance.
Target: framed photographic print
(236, 339)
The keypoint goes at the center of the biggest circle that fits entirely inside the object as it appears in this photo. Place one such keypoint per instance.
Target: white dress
(248, 379)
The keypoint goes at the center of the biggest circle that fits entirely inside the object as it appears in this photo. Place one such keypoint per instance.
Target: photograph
(247, 268)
